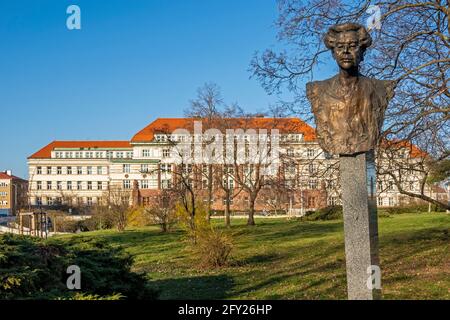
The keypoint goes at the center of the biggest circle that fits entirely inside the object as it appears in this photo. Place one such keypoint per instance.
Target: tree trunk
(251, 213)
(227, 211)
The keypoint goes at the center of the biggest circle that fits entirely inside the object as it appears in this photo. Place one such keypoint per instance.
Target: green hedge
(327, 213)
(32, 268)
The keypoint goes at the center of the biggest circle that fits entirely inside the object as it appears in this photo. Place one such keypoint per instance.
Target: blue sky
(131, 62)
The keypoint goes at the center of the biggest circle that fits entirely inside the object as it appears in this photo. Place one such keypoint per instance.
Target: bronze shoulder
(314, 88)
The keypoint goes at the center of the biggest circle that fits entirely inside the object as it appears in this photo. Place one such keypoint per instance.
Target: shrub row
(32, 268)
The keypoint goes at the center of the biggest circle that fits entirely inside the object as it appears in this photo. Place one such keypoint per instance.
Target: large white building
(86, 172)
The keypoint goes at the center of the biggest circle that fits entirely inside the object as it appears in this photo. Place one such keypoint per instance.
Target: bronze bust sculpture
(349, 108)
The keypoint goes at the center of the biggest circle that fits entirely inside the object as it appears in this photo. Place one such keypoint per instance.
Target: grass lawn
(280, 259)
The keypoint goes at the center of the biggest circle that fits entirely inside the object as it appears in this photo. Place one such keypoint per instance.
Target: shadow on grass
(211, 287)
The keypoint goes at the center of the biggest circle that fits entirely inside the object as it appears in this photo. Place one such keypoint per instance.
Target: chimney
(8, 172)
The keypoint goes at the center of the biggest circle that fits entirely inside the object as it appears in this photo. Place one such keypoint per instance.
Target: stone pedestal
(358, 183)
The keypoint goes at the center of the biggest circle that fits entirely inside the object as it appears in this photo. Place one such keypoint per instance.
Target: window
(312, 184)
(127, 184)
(109, 154)
(166, 184)
(331, 184)
(166, 168)
(311, 202)
(49, 185)
(126, 168)
(50, 201)
(49, 170)
(79, 185)
(130, 154)
(391, 202)
(89, 201)
(224, 201)
(290, 152)
(39, 185)
(79, 170)
(146, 201)
(310, 153)
(380, 186)
(312, 168)
(332, 201)
(99, 154)
(69, 185)
(99, 185)
(119, 154)
(89, 170)
(39, 201)
(58, 185)
(380, 201)
(291, 168)
(412, 186)
(187, 168)
(145, 153)
(166, 153)
(144, 168)
(89, 154)
(69, 170)
(39, 170)
(144, 184)
(99, 170)
(78, 154)
(89, 185)
(69, 155)
(58, 170)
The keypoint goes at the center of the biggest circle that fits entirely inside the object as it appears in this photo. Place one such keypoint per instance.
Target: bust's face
(347, 51)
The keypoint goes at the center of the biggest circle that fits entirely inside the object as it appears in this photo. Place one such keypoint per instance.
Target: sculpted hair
(365, 40)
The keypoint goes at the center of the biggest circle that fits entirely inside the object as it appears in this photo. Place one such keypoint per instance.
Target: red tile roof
(168, 125)
(3, 175)
(415, 151)
(45, 152)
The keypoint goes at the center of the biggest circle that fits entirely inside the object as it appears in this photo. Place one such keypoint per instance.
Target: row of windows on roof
(92, 154)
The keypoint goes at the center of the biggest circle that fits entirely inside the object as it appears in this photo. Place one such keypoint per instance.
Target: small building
(13, 193)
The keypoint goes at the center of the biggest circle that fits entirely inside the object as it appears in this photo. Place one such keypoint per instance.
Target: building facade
(86, 173)
(13, 193)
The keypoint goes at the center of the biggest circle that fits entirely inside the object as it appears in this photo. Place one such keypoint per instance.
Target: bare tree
(207, 108)
(412, 47)
(410, 170)
(162, 210)
(117, 203)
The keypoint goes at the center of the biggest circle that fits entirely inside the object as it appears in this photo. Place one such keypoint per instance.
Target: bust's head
(348, 42)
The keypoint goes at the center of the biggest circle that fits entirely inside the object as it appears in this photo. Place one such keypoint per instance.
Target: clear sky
(131, 62)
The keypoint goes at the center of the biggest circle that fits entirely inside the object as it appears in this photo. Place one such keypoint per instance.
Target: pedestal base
(358, 181)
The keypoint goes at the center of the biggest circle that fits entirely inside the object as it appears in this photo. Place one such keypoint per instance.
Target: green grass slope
(280, 259)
